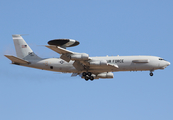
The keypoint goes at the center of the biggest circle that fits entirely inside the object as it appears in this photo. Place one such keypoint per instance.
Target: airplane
(88, 68)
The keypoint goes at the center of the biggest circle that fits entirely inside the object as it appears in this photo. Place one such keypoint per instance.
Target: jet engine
(105, 75)
(98, 62)
(64, 42)
(82, 56)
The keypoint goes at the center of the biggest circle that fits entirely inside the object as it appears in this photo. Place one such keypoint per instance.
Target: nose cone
(164, 64)
(168, 63)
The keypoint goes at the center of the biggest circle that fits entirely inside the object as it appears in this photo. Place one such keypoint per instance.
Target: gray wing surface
(59, 49)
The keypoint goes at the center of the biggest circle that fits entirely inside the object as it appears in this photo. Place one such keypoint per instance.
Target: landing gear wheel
(89, 73)
(91, 78)
(86, 78)
(151, 74)
(84, 74)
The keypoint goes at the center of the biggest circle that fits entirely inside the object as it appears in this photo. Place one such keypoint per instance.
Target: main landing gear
(87, 76)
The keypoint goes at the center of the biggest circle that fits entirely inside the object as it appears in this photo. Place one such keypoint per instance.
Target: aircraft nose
(168, 63)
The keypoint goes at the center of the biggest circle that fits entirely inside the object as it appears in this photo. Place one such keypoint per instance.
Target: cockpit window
(161, 59)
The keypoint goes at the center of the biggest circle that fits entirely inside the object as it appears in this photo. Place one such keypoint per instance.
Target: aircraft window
(161, 59)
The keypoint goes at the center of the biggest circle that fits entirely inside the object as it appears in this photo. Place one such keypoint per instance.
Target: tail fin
(22, 49)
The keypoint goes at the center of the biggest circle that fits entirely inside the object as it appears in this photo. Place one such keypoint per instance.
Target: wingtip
(116, 66)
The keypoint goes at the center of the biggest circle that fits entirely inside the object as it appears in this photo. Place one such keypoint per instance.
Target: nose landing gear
(151, 73)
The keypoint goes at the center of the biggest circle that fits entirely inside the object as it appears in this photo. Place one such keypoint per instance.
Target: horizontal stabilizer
(16, 60)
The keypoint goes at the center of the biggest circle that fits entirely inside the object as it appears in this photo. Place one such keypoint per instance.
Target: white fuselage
(124, 63)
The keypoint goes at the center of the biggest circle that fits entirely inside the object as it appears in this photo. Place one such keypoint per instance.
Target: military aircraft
(81, 63)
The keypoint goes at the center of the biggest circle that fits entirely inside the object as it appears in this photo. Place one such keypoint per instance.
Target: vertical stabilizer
(22, 48)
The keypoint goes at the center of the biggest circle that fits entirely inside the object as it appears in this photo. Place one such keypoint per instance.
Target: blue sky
(102, 28)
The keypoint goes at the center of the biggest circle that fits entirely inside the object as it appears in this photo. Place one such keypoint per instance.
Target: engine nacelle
(82, 56)
(106, 75)
(98, 62)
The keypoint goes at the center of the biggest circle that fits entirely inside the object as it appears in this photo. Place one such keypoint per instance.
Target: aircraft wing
(82, 60)
(107, 67)
(68, 55)
(59, 50)
(112, 66)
